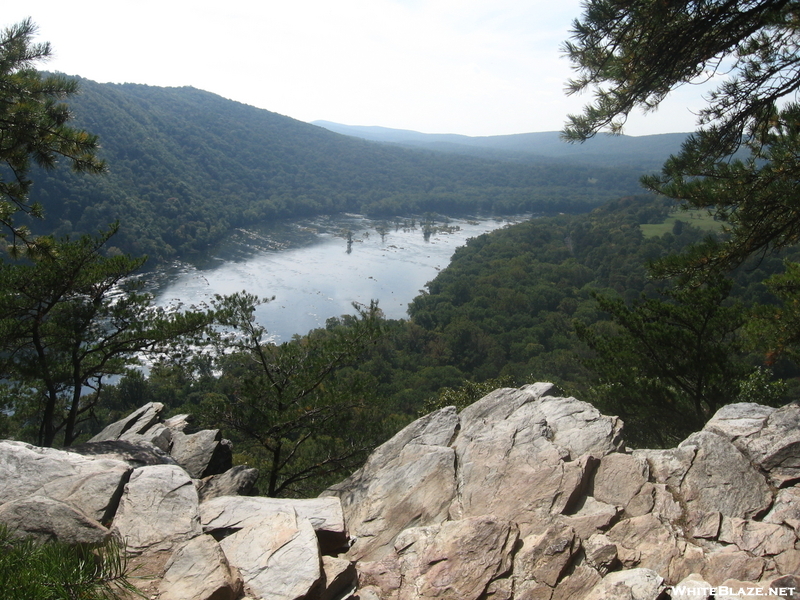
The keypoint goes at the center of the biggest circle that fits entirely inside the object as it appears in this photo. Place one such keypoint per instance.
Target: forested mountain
(186, 166)
(647, 152)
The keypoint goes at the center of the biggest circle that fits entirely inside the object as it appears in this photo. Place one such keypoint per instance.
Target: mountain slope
(186, 166)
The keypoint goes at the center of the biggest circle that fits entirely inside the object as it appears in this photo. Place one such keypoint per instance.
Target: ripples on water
(316, 268)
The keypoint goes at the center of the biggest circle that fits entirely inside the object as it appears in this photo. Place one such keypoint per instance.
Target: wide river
(314, 273)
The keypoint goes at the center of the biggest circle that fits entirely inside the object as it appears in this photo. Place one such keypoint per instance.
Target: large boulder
(635, 584)
(524, 495)
(45, 520)
(721, 478)
(92, 487)
(408, 481)
(203, 453)
(531, 462)
(134, 426)
(159, 509)
(595, 519)
(454, 560)
(199, 570)
(277, 555)
(228, 513)
(236, 481)
(776, 447)
(138, 454)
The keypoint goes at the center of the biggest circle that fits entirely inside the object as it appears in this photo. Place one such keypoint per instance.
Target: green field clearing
(695, 218)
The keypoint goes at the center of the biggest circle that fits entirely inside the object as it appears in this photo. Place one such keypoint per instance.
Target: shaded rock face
(524, 495)
(142, 438)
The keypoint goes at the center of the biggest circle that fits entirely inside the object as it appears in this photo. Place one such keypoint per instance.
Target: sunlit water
(314, 274)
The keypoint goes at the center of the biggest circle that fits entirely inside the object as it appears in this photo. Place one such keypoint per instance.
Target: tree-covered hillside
(186, 166)
(508, 310)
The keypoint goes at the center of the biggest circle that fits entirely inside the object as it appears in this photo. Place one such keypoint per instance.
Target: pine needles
(31, 570)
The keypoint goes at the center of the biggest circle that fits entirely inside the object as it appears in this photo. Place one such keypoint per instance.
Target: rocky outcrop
(142, 438)
(525, 494)
(138, 481)
(591, 519)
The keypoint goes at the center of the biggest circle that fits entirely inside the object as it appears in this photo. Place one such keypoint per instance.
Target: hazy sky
(474, 67)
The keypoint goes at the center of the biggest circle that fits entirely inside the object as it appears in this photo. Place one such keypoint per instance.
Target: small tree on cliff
(301, 413)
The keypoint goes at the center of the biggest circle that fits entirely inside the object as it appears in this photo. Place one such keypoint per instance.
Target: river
(316, 268)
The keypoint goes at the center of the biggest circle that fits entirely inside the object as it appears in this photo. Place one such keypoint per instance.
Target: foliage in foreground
(69, 320)
(302, 414)
(56, 571)
(34, 125)
(741, 165)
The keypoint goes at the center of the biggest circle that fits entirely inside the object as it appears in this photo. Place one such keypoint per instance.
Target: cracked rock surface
(524, 495)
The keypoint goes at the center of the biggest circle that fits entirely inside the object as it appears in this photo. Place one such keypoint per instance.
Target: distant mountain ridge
(648, 151)
(187, 166)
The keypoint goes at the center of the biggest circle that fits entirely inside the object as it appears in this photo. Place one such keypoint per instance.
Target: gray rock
(236, 481)
(693, 587)
(531, 462)
(178, 422)
(577, 584)
(776, 448)
(339, 578)
(325, 514)
(136, 423)
(743, 419)
(408, 481)
(45, 520)
(580, 428)
(619, 478)
(591, 516)
(544, 558)
(787, 581)
(198, 570)
(500, 589)
(736, 589)
(92, 487)
(665, 503)
(158, 510)
(435, 429)
(721, 479)
(601, 553)
(503, 402)
(457, 559)
(634, 584)
(645, 542)
(203, 453)
(786, 509)
(769, 437)
(138, 454)
(788, 562)
(731, 563)
(668, 466)
(277, 556)
(705, 525)
(757, 538)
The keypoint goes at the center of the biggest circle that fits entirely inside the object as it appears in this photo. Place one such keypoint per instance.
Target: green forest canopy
(187, 166)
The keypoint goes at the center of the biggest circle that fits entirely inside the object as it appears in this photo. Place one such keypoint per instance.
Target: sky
(472, 67)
